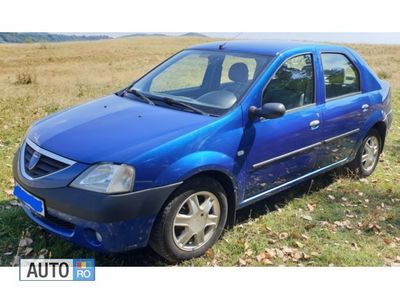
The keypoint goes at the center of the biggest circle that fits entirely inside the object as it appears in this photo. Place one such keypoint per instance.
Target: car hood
(112, 129)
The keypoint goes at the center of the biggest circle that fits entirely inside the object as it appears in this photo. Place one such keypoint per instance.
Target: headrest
(335, 76)
(239, 73)
(284, 73)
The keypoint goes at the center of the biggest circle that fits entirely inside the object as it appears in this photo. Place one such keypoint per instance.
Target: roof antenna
(237, 35)
(221, 46)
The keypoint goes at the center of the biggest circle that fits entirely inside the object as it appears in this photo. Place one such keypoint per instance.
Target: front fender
(195, 163)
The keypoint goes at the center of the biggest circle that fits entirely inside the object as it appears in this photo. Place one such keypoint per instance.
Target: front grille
(44, 166)
(59, 223)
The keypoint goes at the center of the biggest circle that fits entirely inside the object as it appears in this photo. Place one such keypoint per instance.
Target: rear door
(344, 110)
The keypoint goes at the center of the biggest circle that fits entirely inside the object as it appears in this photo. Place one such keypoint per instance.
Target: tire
(168, 237)
(358, 166)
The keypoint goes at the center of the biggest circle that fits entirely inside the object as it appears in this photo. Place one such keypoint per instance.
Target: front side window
(340, 75)
(212, 81)
(293, 84)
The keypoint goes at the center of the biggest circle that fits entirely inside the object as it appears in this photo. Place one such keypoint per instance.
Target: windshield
(212, 81)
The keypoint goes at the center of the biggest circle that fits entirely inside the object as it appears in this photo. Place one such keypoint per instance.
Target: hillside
(194, 34)
(142, 35)
(35, 37)
(188, 34)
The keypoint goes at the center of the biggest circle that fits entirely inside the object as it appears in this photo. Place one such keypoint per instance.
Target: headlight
(106, 178)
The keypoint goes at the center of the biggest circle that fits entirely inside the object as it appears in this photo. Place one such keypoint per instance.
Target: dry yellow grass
(384, 60)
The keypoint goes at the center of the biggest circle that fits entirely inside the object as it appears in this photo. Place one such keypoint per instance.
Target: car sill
(279, 187)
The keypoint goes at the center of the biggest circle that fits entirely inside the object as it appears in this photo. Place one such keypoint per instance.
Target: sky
(348, 37)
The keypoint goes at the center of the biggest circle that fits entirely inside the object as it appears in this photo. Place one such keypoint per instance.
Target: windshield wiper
(172, 101)
(166, 100)
(140, 95)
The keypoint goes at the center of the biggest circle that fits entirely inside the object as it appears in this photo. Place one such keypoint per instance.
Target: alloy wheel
(370, 153)
(196, 220)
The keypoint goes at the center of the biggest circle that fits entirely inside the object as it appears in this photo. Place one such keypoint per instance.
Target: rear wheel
(367, 156)
(192, 221)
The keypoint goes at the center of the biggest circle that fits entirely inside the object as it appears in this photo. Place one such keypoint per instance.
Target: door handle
(365, 107)
(314, 124)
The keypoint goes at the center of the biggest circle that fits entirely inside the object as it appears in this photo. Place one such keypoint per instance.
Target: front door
(285, 149)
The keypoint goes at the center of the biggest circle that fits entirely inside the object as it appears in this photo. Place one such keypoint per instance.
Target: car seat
(239, 75)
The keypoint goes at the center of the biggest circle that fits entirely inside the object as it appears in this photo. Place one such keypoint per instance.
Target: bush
(25, 77)
(384, 75)
(43, 46)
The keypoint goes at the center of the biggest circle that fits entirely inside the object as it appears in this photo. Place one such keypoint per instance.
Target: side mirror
(271, 110)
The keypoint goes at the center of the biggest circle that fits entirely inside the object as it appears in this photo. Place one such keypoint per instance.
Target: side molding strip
(271, 160)
(283, 156)
(342, 135)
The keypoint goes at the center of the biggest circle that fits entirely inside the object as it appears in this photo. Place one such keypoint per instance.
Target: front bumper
(114, 237)
(105, 223)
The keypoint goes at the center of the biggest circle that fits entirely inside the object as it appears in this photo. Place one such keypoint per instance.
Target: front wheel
(192, 221)
(367, 156)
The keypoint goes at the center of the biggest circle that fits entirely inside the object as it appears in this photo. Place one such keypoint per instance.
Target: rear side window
(293, 84)
(340, 75)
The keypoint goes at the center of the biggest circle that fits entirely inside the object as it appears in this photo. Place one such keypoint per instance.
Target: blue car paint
(115, 126)
(168, 146)
(116, 236)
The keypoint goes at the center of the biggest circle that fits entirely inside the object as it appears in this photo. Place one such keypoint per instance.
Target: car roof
(264, 47)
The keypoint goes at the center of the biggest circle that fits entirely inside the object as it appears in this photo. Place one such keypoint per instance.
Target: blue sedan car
(167, 161)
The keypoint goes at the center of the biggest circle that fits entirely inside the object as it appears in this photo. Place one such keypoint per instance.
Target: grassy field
(330, 221)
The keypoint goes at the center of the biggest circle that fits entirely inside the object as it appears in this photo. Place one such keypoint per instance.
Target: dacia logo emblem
(34, 160)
